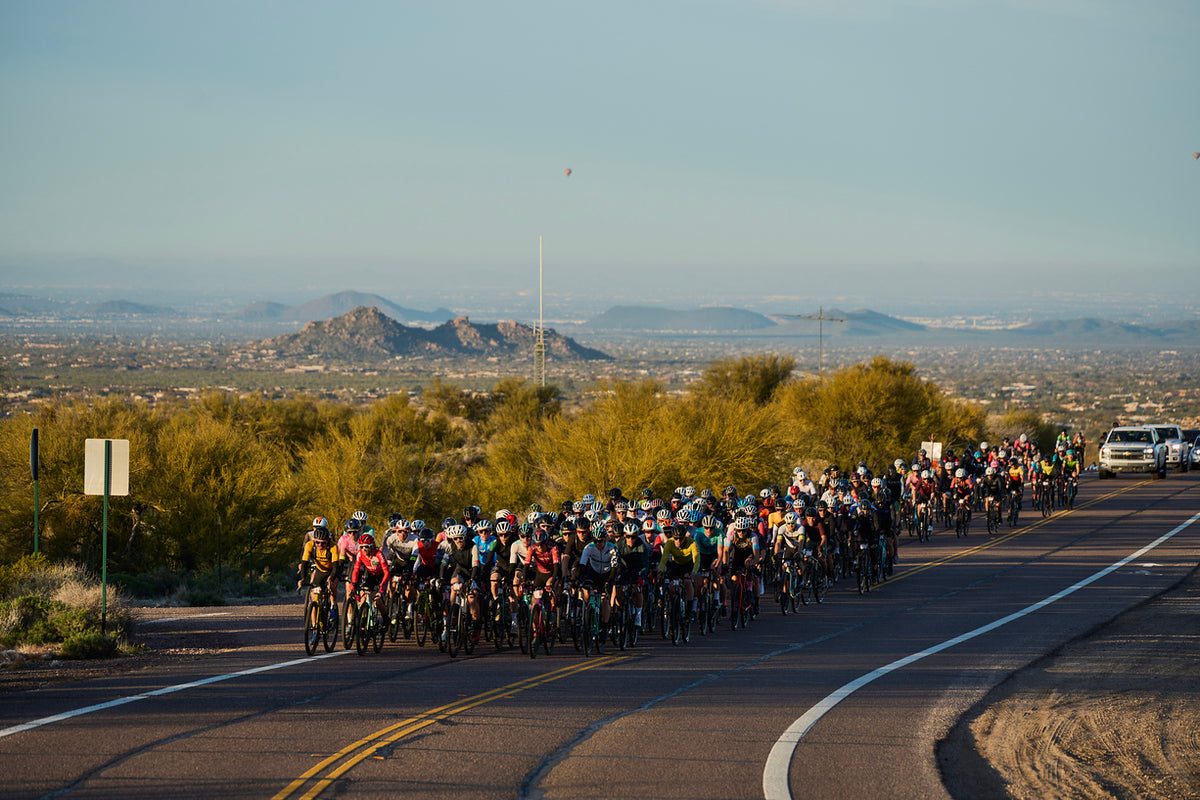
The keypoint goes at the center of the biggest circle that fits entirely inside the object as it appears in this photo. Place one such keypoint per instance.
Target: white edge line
(120, 701)
(776, 785)
(176, 619)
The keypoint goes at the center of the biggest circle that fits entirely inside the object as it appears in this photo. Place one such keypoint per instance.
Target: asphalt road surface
(846, 699)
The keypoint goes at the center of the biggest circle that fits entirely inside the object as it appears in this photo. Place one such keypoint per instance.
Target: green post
(104, 540)
(250, 553)
(33, 467)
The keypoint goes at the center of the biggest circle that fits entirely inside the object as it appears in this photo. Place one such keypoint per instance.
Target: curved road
(844, 699)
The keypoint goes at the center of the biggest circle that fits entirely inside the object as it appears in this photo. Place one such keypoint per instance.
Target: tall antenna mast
(821, 320)
(539, 345)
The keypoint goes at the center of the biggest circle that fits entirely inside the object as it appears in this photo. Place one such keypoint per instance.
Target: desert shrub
(89, 644)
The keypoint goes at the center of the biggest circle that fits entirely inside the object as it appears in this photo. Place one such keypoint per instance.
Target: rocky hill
(367, 334)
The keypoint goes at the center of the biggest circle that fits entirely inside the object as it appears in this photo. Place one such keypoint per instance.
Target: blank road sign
(93, 467)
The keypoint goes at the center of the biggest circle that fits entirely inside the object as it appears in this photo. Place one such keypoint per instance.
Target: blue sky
(720, 149)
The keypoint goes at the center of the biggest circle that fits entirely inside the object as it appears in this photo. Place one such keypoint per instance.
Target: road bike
(369, 628)
(962, 517)
(788, 586)
(320, 621)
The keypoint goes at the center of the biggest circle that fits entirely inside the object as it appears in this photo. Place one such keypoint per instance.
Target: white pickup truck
(1133, 449)
(1179, 449)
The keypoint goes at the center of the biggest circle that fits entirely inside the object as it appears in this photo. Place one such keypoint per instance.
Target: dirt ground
(1116, 714)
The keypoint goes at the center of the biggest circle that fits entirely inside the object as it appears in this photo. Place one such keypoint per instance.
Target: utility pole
(539, 344)
(821, 320)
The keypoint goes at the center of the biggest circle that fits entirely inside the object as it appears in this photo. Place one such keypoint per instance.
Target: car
(1179, 448)
(1133, 448)
(1196, 452)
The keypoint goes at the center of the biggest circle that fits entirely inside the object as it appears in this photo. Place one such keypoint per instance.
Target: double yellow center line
(345, 759)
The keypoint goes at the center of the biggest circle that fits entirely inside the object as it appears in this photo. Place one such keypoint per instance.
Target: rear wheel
(453, 627)
(361, 633)
(423, 623)
(349, 624)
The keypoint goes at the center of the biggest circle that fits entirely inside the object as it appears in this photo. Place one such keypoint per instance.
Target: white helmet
(960, 473)
(898, 463)
(1023, 439)
(983, 446)
(924, 474)
(990, 471)
(801, 475)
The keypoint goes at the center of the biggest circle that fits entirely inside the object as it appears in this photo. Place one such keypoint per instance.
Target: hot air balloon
(567, 172)
(1196, 156)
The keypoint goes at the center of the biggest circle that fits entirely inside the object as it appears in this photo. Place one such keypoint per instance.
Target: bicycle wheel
(378, 633)
(806, 584)
(467, 631)
(349, 624)
(702, 603)
(782, 595)
(328, 626)
(361, 630)
(537, 629)
(423, 622)
(523, 629)
(450, 635)
(311, 626)
(500, 621)
(820, 584)
(589, 621)
(794, 587)
(550, 632)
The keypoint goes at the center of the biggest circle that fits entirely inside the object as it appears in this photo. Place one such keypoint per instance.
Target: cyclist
(347, 546)
(596, 566)
(371, 570)
(319, 563)
(992, 487)
(816, 540)
(741, 552)
(884, 518)
(457, 570)
(485, 549)
(361, 516)
(400, 549)
(680, 556)
(865, 530)
(633, 564)
(961, 489)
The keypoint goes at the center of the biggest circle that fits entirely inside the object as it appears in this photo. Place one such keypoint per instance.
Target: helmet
(729, 491)
(393, 518)
(706, 494)
(578, 506)
(983, 446)
(802, 475)
(960, 473)
(631, 529)
(915, 467)
(503, 528)
(862, 470)
(321, 534)
(764, 493)
(978, 454)
(471, 512)
(503, 513)
(648, 524)
(864, 508)
(568, 525)
(588, 499)
(1070, 452)
(456, 532)
(426, 535)
(877, 482)
(541, 536)
(924, 474)
(620, 507)
(419, 525)
(645, 505)
(662, 514)
(599, 534)
(647, 493)
(534, 517)
(743, 524)
(353, 525)
(990, 471)
(709, 522)
(689, 491)
(320, 522)
(361, 516)
(447, 523)
(366, 540)
(790, 518)
(613, 494)
(1022, 438)
(898, 463)
(483, 525)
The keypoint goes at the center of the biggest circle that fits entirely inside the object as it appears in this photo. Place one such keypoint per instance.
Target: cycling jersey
(685, 557)
(322, 559)
(371, 568)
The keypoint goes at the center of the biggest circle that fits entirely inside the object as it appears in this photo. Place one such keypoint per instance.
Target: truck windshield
(1130, 437)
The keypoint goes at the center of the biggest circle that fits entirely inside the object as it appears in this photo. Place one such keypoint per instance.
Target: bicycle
(1014, 506)
(993, 515)
(709, 605)
(862, 568)
(398, 618)
(427, 620)
(788, 586)
(591, 628)
(813, 582)
(369, 630)
(320, 621)
(678, 620)
(1072, 488)
(962, 518)
(539, 622)
(741, 600)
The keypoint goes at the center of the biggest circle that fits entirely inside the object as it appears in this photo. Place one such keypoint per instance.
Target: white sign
(933, 450)
(93, 467)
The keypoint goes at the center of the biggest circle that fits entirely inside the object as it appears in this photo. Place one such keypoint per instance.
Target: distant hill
(861, 322)
(649, 318)
(117, 308)
(367, 333)
(334, 305)
(1099, 331)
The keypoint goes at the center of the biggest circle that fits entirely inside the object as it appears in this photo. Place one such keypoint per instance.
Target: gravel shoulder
(1114, 714)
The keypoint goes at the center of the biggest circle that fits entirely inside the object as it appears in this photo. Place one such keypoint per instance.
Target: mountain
(701, 320)
(367, 333)
(118, 308)
(1091, 329)
(343, 302)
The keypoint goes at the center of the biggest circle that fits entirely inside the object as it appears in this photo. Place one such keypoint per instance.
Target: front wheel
(361, 631)
(589, 622)
(349, 624)
(311, 627)
(423, 623)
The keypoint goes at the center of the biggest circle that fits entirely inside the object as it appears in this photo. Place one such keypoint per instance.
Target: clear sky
(720, 149)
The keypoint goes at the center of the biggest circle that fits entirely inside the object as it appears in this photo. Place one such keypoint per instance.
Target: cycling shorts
(677, 571)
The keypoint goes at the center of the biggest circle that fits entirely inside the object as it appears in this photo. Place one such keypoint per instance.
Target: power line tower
(821, 320)
(539, 342)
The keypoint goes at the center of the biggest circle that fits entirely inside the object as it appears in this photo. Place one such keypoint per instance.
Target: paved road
(716, 718)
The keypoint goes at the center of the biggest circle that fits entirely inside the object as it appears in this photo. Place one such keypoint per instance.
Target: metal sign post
(106, 472)
(33, 467)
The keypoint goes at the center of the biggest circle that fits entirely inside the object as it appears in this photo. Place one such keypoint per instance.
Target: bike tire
(820, 585)
(349, 625)
(312, 632)
(536, 629)
(523, 630)
(452, 629)
(588, 638)
(329, 628)
(423, 623)
(466, 628)
(361, 642)
(377, 639)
